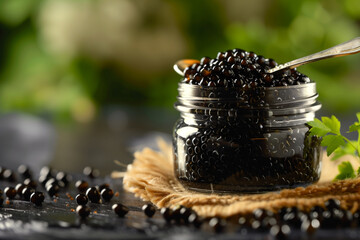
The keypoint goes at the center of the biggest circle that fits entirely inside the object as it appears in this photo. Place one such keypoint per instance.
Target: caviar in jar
(243, 130)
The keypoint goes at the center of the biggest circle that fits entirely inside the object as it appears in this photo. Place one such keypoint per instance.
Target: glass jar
(246, 140)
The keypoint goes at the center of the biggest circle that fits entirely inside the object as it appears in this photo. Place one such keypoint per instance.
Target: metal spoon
(343, 49)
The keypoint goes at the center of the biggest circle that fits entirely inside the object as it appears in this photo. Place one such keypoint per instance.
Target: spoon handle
(346, 48)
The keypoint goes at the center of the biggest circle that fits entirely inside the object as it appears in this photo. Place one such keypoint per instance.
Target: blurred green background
(69, 60)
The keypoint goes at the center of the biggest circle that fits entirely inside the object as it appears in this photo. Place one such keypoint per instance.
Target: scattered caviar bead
(102, 186)
(149, 210)
(63, 177)
(332, 204)
(268, 222)
(81, 199)
(194, 220)
(185, 213)
(9, 175)
(260, 214)
(217, 224)
(26, 193)
(176, 216)
(46, 172)
(120, 209)
(19, 188)
(24, 171)
(107, 194)
(81, 185)
(52, 190)
(280, 231)
(37, 198)
(166, 213)
(53, 181)
(93, 195)
(83, 211)
(10, 192)
(310, 225)
(30, 183)
(91, 172)
(43, 179)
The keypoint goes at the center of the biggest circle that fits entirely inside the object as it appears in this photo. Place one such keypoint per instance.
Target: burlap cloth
(151, 178)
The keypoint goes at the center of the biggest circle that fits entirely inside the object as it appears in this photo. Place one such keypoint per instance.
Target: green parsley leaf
(355, 127)
(345, 171)
(346, 149)
(332, 123)
(332, 142)
(318, 128)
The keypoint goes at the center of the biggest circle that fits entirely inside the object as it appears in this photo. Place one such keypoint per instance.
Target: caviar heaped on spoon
(238, 68)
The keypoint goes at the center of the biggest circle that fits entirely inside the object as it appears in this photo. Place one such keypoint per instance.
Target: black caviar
(81, 199)
(37, 198)
(81, 185)
(93, 195)
(166, 213)
(83, 211)
(120, 209)
(26, 193)
(10, 192)
(107, 194)
(238, 68)
(244, 130)
(149, 210)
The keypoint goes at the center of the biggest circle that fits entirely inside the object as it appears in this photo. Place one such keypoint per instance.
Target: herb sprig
(335, 142)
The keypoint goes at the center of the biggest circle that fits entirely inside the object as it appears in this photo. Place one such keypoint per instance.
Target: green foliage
(329, 129)
(345, 171)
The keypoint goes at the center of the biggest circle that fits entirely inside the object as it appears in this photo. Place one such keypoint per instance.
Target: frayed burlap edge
(151, 178)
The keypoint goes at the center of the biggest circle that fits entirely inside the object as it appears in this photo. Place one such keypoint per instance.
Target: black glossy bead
(102, 186)
(19, 188)
(30, 183)
(120, 209)
(81, 185)
(176, 216)
(63, 177)
(217, 224)
(332, 204)
(280, 231)
(107, 194)
(194, 220)
(53, 181)
(46, 172)
(9, 175)
(166, 213)
(149, 210)
(185, 213)
(24, 171)
(310, 226)
(10, 192)
(37, 198)
(26, 193)
(93, 195)
(52, 190)
(81, 199)
(83, 211)
(91, 172)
